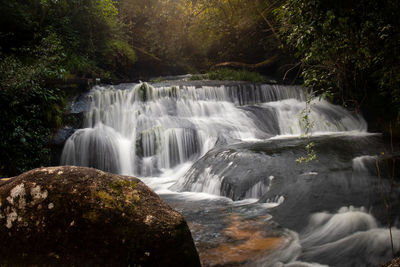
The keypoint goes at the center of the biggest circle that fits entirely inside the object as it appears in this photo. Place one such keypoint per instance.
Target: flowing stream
(224, 155)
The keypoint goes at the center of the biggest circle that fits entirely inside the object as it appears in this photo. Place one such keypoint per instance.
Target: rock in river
(84, 217)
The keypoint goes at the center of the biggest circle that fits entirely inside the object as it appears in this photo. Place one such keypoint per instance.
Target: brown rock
(82, 216)
(394, 263)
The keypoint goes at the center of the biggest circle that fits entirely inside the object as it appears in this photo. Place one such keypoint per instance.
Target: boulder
(85, 217)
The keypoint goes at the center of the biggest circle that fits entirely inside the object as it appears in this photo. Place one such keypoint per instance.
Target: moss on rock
(82, 216)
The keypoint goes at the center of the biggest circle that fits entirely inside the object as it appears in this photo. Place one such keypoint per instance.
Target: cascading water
(203, 145)
(141, 130)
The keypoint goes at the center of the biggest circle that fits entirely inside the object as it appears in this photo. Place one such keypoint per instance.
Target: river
(224, 155)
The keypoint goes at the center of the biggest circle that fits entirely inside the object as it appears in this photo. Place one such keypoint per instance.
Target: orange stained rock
(252, 243)
(239, 230)
(225, 253)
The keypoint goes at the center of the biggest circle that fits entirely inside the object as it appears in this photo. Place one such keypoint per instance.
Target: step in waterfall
(224, 154)
(143, 129)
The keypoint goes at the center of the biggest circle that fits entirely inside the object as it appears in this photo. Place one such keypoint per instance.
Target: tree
(45, 40)
(349, 49)
(29, 110)
(197, 34)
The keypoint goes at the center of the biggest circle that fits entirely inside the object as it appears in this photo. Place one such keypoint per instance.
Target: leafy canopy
(350, 49)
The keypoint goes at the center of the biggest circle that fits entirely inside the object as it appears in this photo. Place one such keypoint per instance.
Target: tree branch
(235, 64)
(146, 53)
(271, 27)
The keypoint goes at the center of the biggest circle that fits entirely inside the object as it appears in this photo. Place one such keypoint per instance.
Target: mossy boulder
(85, 217)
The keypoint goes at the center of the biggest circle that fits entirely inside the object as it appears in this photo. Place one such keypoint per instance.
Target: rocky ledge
(82, 216)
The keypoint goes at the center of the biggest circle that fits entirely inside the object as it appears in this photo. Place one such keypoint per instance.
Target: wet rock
(62, 135)
(82, 216)
(80, 103)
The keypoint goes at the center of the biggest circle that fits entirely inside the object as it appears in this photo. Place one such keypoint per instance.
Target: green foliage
(43, 41)
(348, 48)
(194, 35)
(234, 30)
(307, 124)
(118, 54)
(310, 154)
(145, 92)
(226, 74)
(29, 110)
(157, 80)
(87, 29)
(99, 36)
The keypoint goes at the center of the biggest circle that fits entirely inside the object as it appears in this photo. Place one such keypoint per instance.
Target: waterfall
(142, 130)
(224, 154)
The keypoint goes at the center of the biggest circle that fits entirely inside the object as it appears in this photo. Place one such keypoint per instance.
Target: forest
(261, 133)
(345, 51)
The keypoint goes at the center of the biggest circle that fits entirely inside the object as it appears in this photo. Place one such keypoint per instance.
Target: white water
(145, 131)
(324, 117)
(159, 133)
(359, 163)
(349, 237)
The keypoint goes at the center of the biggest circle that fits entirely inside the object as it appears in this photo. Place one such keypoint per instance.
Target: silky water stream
(224, 155)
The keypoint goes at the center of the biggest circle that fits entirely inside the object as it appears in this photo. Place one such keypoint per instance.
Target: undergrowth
(226, 74)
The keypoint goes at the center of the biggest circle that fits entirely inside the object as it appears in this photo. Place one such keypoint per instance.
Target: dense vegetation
(347, 50)
(194, 35)
(226, 74)
(44, 41)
